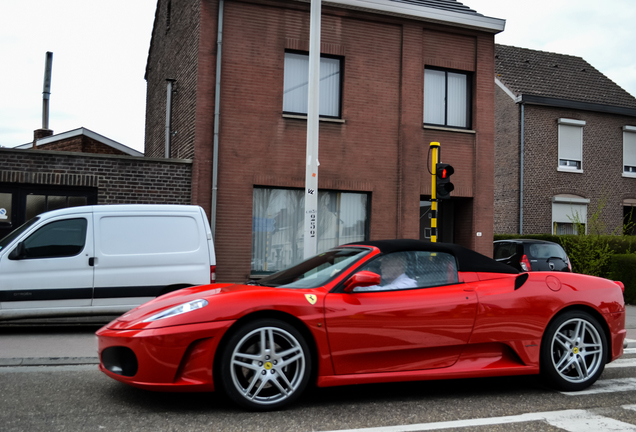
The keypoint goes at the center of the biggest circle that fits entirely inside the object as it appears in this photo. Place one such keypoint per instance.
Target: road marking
(629, 350)
(568, 420)
(621, 363)
(607, 386)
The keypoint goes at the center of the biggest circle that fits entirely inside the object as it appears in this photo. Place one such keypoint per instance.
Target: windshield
(15, 233)
(316, 271)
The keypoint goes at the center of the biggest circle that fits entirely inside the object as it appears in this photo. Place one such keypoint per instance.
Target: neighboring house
(81, 167)
(78, 140)
(395, 76)
(565, 145)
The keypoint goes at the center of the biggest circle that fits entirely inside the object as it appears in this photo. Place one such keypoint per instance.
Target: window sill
(449, 129)
(579, 171)
(322, 119)
(629, 175)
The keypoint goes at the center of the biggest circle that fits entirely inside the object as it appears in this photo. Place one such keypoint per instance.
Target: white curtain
(434, 96)
(296, 85)
(456, 103)
(278, 229)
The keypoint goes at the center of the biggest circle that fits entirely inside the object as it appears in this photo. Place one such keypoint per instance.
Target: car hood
(225, 302)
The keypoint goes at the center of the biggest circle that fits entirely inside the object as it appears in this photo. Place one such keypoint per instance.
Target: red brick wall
(381, 147)
(173, 56)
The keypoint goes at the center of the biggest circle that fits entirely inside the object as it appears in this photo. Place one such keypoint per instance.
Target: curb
(48, 361)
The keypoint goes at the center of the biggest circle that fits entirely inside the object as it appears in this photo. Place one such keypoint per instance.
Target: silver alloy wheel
(577, 350)
(267, 365)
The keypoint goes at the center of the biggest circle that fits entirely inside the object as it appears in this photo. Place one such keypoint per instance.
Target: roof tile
(540, 73)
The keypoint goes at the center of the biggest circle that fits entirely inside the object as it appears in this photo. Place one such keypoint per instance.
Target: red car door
(399, 330)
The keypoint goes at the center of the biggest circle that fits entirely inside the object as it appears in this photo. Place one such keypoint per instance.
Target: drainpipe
(521, 172)
(217, 103)
(169, 85)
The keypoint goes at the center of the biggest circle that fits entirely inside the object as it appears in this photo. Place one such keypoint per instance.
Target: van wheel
(265, 365)
(573, 351)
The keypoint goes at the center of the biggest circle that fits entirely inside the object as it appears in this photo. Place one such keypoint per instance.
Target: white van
(103, 260)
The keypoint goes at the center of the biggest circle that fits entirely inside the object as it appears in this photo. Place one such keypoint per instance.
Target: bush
(623, 268)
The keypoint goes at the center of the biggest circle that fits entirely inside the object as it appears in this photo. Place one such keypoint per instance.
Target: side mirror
(362, 279)
(18, 253)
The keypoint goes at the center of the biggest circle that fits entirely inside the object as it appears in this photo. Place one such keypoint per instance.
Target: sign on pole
(311, 171)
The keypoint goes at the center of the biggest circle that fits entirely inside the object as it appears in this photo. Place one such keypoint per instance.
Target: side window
(571, 145)
(447, 98)
(295, 85)
(62, 238)
(505, 250)
(414, 269)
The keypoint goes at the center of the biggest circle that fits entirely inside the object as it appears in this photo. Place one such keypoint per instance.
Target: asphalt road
(49, 381)
(80, 398)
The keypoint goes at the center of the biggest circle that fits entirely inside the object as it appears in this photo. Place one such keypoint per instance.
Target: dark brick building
(565, 144)
(378, 118)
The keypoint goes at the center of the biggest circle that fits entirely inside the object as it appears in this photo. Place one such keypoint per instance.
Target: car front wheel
(573, 351)
(265, 365)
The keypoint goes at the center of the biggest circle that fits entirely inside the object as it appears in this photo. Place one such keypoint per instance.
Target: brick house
(395, 76)
(81, 167)
(565, 144)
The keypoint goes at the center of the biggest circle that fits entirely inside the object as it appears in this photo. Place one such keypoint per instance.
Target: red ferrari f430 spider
(370, 312)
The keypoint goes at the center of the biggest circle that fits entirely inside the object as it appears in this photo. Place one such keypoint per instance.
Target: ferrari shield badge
(311, 298)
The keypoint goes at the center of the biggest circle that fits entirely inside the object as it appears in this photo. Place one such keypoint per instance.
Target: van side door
(140, 256)
(50, 266)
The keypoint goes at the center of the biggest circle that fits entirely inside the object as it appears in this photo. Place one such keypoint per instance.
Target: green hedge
(623, 268)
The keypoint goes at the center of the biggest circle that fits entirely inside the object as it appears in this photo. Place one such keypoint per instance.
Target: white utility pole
(311, 172)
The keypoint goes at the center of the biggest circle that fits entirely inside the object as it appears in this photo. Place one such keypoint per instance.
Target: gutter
(422, 13)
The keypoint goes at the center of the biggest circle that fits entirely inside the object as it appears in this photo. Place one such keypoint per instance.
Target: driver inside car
(393, 272)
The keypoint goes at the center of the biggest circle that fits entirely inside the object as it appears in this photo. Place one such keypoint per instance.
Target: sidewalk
(69, 345)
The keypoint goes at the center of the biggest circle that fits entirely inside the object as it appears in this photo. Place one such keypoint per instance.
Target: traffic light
(444, 187)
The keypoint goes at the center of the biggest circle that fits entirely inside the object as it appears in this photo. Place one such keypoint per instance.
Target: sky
(100, 50)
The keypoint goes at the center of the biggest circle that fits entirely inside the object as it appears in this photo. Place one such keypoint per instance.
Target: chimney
(39, 134)
(46, 95)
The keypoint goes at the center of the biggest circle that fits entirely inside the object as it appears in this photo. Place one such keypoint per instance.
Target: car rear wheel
(265, 365)
(573, 351)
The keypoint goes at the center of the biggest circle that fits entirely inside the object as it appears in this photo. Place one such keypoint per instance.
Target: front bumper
(178, 358)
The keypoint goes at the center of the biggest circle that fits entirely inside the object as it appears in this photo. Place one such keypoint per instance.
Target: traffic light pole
(435, 156)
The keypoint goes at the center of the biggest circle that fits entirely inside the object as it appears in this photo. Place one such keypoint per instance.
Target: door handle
(91, 261)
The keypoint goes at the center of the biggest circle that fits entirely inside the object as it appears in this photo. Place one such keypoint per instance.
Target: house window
(571, 145)
(278, 225)
(629, 151)
(447, 98)
(296, 85)
(569, 214)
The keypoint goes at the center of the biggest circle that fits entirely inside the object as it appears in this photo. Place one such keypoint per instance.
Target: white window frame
(568, 209)
(629, 151)
(570, 145)
(295, 85)
(438, 99)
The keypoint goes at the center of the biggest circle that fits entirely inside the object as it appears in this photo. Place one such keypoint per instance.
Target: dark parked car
(532, 255)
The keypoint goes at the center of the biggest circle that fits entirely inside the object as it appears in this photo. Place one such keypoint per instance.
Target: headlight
(178, 310)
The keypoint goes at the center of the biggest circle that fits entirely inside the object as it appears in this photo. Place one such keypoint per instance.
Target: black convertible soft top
(467, 260)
